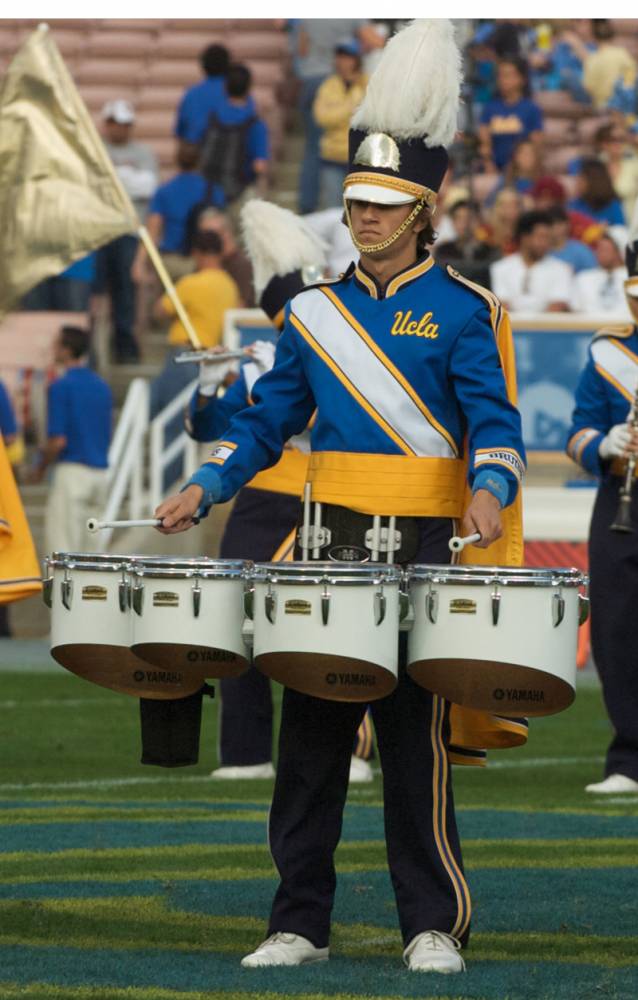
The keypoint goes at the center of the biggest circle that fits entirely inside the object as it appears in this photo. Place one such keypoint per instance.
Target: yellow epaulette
(619, 330)
(490, 299)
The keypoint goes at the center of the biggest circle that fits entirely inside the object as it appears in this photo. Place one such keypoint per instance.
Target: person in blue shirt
(202, 99)
(170, 219)
(8, 425)
(236, 146)
(573, 252)
(595, 194)
(601, 439)
(512, 116)
(80, 409)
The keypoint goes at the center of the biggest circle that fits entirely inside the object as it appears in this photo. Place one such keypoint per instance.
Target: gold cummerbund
(287, 476)
(388, 484)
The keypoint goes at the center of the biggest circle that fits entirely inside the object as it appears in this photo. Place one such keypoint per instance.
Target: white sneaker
(614, 783)
(285, 949)
(246, 771)
(360, 770)
(434, 951)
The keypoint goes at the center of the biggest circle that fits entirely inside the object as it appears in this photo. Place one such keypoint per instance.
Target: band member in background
(399, 358)
(602, 437)
(285, 255)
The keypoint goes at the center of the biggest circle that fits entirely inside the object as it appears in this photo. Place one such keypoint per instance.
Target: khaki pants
(77, 493)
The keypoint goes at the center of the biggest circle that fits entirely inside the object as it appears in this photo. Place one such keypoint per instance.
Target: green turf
(168, 920)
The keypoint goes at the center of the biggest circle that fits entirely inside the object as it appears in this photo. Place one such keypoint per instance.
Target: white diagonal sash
(622, 367)
(369, 375)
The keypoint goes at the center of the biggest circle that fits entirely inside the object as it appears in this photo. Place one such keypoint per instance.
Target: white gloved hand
(212, 374)
(616, 442)
(262, 353)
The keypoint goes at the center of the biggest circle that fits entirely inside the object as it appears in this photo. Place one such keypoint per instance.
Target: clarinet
(622, 521)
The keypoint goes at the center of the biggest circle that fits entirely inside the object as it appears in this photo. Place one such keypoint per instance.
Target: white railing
(126, 459)
(161, 456)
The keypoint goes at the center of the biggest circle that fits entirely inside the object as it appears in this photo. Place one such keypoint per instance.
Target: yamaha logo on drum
(350, 680)
(518, 694)
(157, 677)
(297, 607)
(462, 606)
(93, 593)
(165, 599)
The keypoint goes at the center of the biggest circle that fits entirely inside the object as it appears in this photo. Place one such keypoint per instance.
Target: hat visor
(377, 195)
(631, 287)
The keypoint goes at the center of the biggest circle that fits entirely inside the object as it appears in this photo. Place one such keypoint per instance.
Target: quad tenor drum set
(495, 638)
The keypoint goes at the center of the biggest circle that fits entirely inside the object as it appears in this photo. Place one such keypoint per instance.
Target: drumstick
(457, 544)
(189, 357)
(305, 530)
(94, 525)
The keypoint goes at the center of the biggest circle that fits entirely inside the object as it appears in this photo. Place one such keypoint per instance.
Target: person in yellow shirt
(334, 105)
(608, 64)
(206, 294)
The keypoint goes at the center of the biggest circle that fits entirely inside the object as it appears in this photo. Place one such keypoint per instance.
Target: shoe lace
(436, 940)
(284, 936)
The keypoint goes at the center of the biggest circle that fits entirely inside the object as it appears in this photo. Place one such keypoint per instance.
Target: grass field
(123, 882)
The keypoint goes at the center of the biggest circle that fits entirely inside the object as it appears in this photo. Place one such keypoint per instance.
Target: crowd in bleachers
(536, 204)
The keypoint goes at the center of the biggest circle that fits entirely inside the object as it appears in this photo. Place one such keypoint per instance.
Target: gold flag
(19, 569)
(60, 197)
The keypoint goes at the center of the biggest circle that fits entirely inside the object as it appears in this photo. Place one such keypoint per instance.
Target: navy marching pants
(613, 566)
(424, 856)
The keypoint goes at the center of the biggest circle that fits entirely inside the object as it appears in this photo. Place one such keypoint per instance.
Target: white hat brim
(377, 194)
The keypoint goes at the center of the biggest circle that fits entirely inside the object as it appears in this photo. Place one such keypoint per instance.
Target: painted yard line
(204, 778)
(45, 991)
(34, 817)
(55, 703)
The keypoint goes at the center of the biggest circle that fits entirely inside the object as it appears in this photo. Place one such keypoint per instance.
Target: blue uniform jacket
(409, 391)
(604, 394)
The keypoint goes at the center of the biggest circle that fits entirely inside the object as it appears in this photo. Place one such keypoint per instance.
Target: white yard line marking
(55, 703)
(538, 761)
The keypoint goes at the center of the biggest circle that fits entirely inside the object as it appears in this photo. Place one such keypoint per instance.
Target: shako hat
(631, 260)
(284, 252)
(399, 133)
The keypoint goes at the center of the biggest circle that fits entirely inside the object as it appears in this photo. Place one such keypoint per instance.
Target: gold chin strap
(378, 247)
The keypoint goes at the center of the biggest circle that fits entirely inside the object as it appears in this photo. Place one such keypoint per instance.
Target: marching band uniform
(597, 439)
(262, 523)
(413, 410)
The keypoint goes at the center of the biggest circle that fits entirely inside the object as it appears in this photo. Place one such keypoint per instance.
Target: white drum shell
(349, 658)
(525, 664)
(164, 616)
(94, 617)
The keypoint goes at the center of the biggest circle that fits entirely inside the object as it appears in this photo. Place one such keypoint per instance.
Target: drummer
(399, 359)
(285, 254)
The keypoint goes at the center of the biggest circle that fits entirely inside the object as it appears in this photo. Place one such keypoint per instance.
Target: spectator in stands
(608, 64)
(573, 252)
(173, 215)
(468, 254)
(80, 408)
(522, 171)
(236, 145)
(234, 260)
(499, 228)
(508, 119)
(595, 194)
(69, 291)
(314, 43)
(333, 107)
(600, 290)
(199, 101)
(532, 280)
(567, 56)
(621, 161)
(206, 295)
(137, 169)
(548, 192)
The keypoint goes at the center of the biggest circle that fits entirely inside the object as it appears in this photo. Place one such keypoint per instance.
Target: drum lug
(47, 585)
(432, 605)
(249, 599)
(124, 595)
(583, 608)
(496, 606)
(271, 605)
(379, 606)
(404, 605)
(197, 598)
(558, 609)
(67, 591)
(138, 599)
(325, 604)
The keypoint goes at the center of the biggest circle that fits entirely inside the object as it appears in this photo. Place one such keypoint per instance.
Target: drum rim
(507, 576)
(205, 568)
(99, 563)
(335, 574)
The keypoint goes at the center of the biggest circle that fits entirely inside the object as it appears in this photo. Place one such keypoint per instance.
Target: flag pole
(169, 287)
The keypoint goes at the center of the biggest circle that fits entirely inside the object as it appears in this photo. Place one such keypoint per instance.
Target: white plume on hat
(414, 91)
(278, 242)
